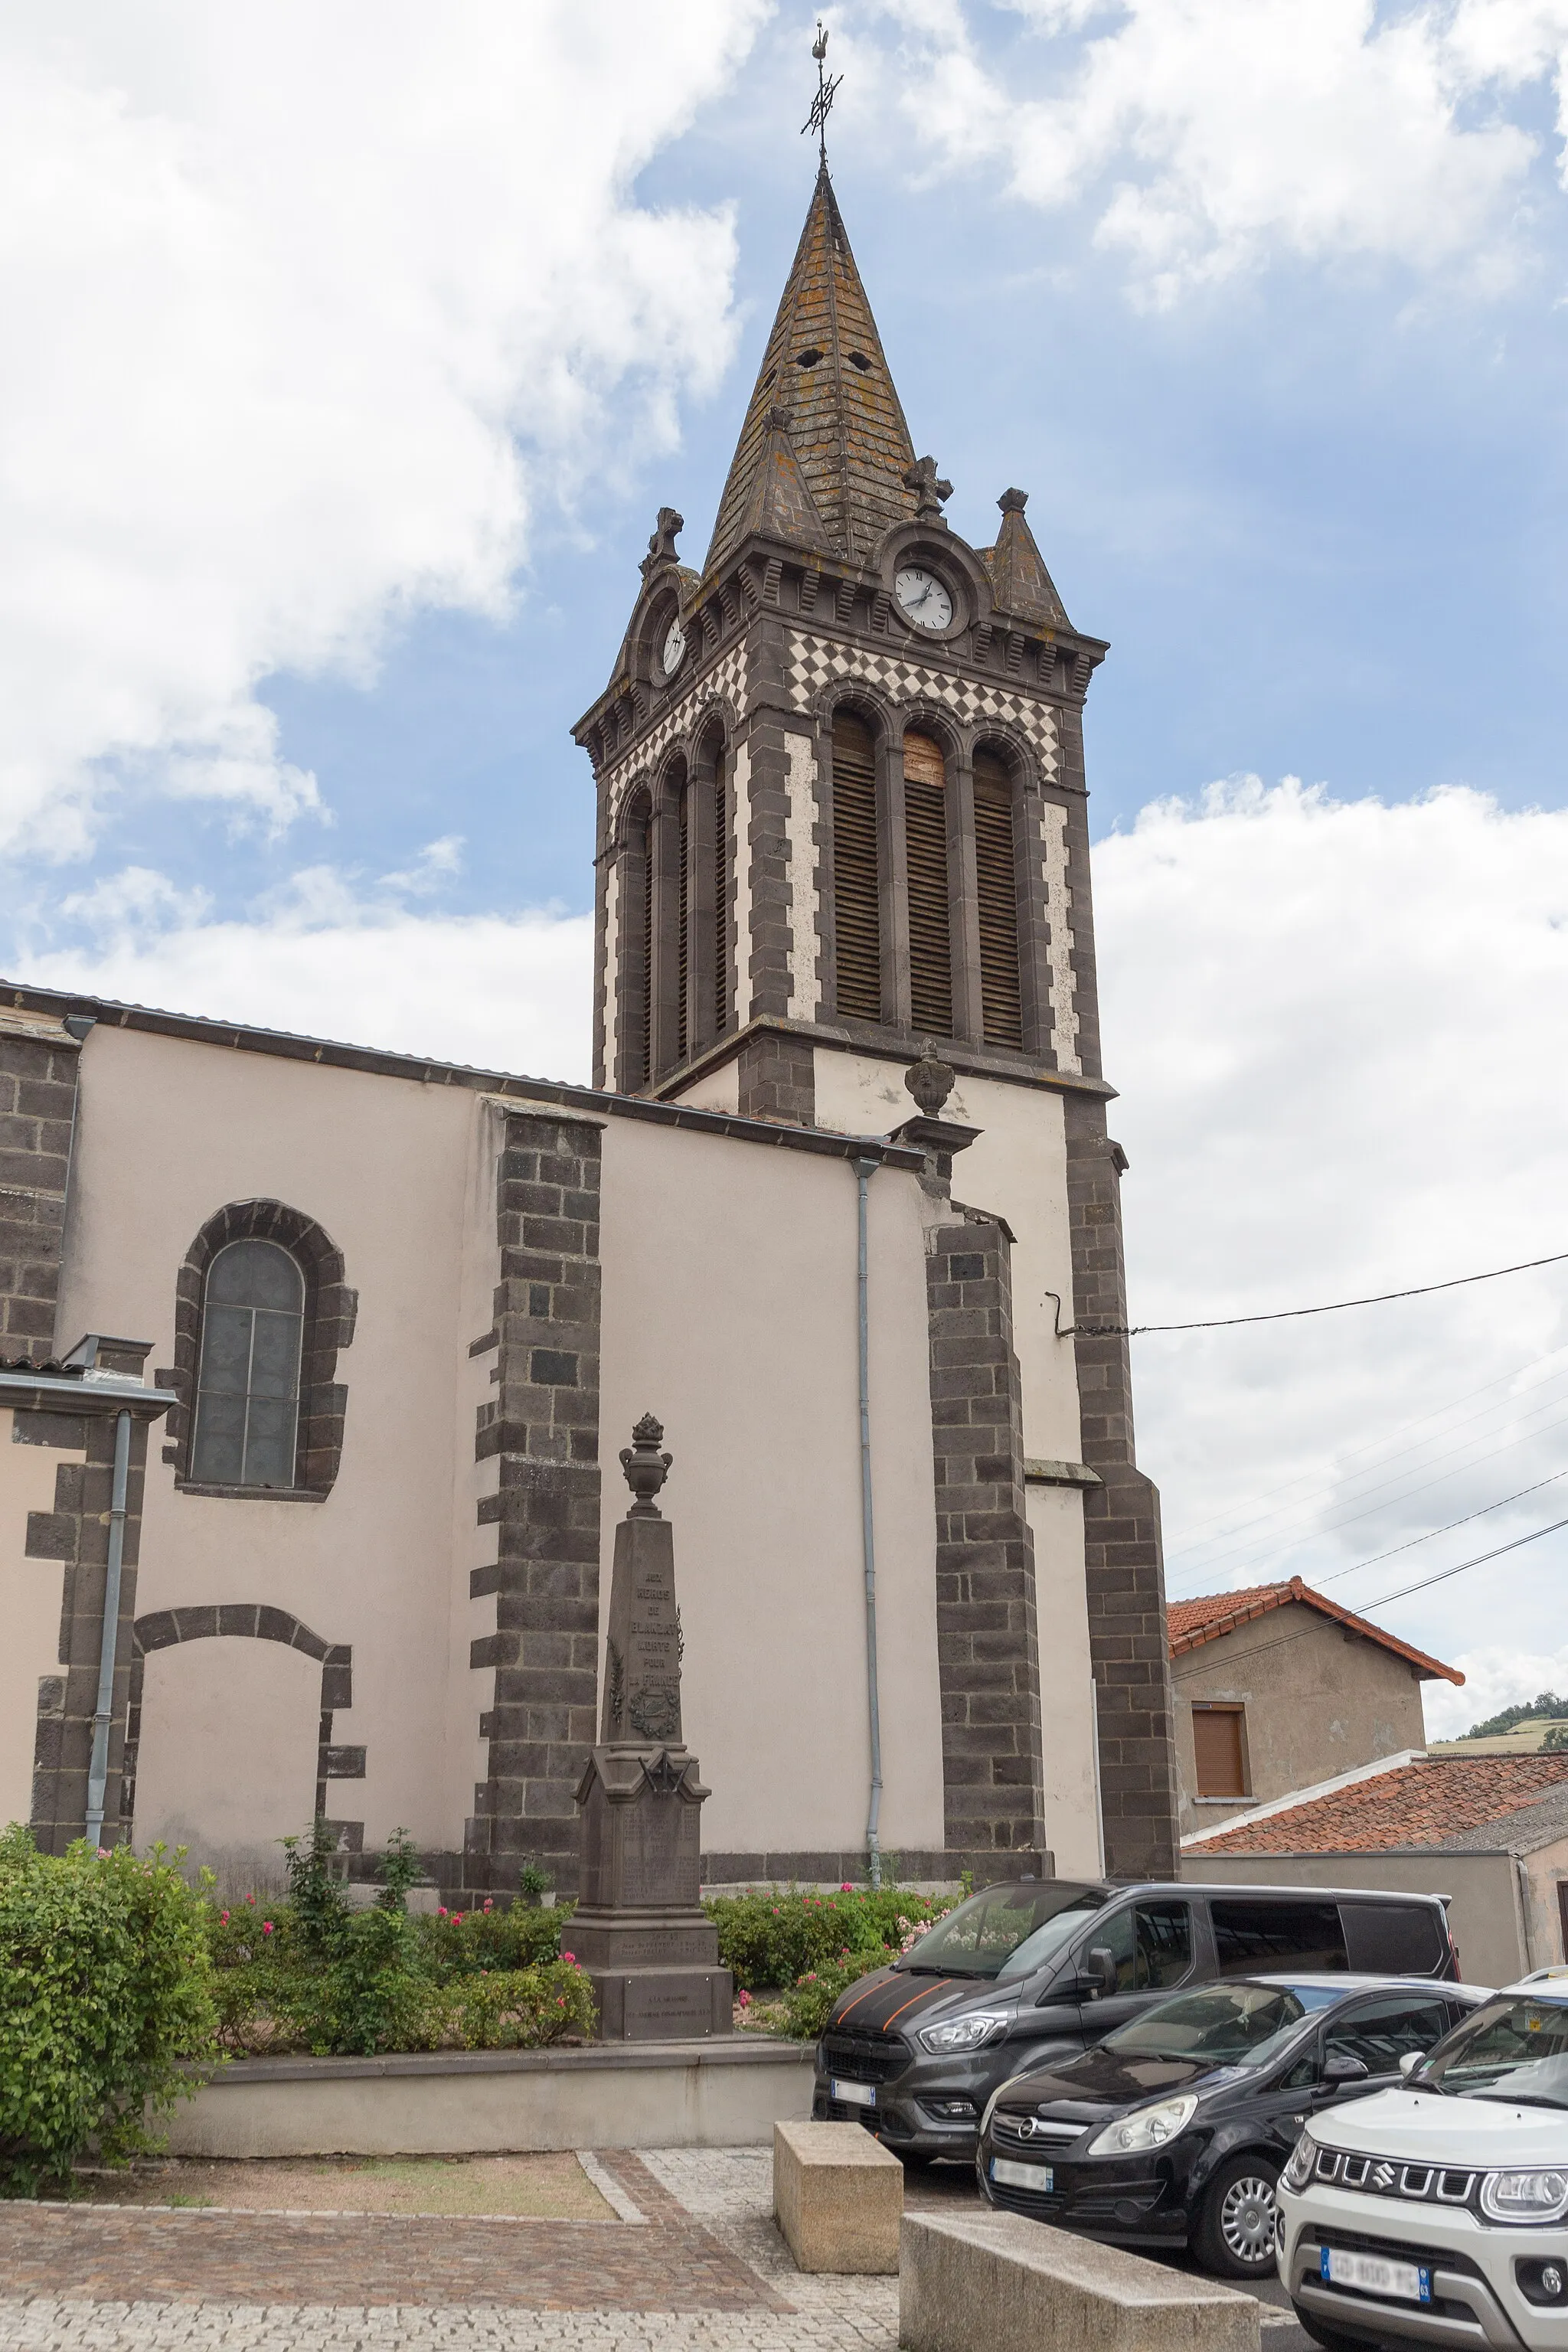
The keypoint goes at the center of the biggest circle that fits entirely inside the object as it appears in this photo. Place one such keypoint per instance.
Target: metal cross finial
(822, 104)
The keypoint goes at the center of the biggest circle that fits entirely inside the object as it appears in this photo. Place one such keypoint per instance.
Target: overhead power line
(1404, 1592)
(1290, 1314)
(1222, 1526)
(1517, 1496)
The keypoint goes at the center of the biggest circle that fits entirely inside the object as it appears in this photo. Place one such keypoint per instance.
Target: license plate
(853, 2095)
(1373, 2274)
(1009, 2174)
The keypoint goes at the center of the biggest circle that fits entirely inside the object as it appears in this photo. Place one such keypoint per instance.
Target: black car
(1032, 1971)
(1173, 2130)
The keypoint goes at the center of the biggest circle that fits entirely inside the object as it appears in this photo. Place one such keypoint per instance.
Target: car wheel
(1234, 2234)
(1332, 2339)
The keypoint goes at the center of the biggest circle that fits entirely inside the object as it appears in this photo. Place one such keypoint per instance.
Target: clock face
(674, 648)
(922, 597)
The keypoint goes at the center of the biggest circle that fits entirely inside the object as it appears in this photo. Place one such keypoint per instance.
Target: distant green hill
(1548, 1703)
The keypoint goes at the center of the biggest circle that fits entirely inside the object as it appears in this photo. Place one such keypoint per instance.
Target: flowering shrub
(808, 2005)
(105, 1986)
(770, 1938)
(318, 1975)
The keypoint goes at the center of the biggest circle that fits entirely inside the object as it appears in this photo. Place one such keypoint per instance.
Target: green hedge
(106, 1986)
(809, 1947)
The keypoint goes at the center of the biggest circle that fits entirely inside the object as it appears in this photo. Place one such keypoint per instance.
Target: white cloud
(323, 958)
(1338, 1029)
(1209, 135)
(302, 310)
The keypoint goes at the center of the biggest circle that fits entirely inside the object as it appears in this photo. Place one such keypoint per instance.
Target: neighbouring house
(1278, 1688)
(1490, 1832)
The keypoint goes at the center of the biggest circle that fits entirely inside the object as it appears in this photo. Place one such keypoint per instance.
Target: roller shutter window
(1217, 1751)
(682, 919)
(925, 844)
(996, 876)
(856, 882)
(720, 901)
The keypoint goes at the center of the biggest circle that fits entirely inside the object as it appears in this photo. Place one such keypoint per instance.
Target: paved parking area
(690, 2262)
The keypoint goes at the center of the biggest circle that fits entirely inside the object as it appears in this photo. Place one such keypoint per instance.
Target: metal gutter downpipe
(103, 1713)
(864, 1171)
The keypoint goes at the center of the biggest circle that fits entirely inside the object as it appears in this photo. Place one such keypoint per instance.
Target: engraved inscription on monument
(640, 1931)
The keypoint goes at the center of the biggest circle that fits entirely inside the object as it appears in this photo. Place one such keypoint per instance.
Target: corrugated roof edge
(412, 1068)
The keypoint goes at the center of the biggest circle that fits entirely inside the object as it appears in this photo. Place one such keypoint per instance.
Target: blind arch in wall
(857, 870)
(925, 846)
(721, 894)
(996, 880)
(683, 921)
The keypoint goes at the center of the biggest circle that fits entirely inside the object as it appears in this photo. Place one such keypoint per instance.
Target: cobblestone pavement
(694, 2264)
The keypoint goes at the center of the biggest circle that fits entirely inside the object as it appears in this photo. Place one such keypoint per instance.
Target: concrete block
(1013, 2285)
(838, 2197)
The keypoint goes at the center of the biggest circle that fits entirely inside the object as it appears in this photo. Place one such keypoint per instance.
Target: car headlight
(1525, 2196)
(1303, 2157)
(1146, 2127)
(964, 2033)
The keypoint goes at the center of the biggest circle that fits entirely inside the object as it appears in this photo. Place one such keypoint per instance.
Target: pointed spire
(846, 437)
(1019, 580)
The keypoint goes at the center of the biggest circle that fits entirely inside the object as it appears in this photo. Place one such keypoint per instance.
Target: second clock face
(674, 648)
(922, 597)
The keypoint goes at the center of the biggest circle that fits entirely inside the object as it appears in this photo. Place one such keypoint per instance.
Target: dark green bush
(461, 1943)
(769, 1939)
(105, 1987)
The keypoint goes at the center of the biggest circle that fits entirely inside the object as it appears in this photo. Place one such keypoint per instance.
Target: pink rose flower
(223, 1919)
(745, 2000)
(267, 1926)
(441, 1913)
(570, 1957)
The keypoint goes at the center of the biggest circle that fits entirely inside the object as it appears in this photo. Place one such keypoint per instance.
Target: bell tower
(842, 824)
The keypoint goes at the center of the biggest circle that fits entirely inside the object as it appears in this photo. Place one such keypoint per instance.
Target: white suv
(1438, 2213)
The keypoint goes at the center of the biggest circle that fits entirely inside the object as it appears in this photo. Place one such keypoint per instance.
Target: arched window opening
(247, 1389)
(644, 1071)
(683, 923)
(925, 841)
(996, 878)
(721, 897)
(856, 878)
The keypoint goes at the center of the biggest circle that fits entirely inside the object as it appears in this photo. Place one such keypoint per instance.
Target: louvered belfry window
(997, 875)
(720, 901)
(644, 952)
(682, 919)
(925, 839)
(857, 890)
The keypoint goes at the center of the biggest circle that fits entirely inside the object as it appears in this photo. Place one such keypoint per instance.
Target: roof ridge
(1227, 1611)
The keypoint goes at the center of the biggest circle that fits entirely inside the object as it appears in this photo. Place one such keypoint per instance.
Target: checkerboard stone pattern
(813, 662)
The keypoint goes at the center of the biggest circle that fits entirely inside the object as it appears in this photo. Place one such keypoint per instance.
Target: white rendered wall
(31, 1593)
(1018, 1168)
(730, 1311)
(226, 1764)
(169, 1132)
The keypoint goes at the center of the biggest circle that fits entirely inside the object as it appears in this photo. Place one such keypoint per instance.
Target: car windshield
(1224, 2025)
(1514, 2048)
(1005, 1932)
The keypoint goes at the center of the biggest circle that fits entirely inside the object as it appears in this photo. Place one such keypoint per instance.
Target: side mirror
(1099, 1968)
(1409, 2063)
(1342, 2068)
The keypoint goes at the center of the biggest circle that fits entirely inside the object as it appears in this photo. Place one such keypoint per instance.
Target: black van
(1032, 1970)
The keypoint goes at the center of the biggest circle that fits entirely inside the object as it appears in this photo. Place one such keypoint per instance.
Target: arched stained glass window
(247, 1389)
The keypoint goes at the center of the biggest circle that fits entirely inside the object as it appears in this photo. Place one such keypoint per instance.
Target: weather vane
(822, 104)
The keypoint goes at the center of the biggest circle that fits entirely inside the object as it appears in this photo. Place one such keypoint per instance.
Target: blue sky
(349, 360)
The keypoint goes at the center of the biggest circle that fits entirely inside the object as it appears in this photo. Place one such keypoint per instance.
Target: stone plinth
(839, 2198)
(1013, 2285)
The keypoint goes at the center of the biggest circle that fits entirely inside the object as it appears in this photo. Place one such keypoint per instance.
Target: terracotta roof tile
(1190, 1623)
(1424, 1804)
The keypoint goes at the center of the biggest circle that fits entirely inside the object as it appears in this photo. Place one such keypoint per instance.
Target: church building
(316, 1362)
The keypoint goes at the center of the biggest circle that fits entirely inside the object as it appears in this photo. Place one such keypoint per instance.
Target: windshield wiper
(1518, 2099)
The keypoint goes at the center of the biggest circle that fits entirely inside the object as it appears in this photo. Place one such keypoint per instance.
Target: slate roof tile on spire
(845, 445)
